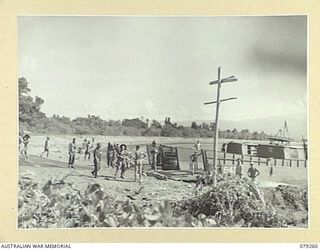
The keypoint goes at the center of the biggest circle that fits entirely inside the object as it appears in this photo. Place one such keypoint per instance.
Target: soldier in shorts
(24, 150)
(194, 161)
(253, 173)
(138, 156)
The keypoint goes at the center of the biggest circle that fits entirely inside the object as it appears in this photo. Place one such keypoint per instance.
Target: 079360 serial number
(308, 245)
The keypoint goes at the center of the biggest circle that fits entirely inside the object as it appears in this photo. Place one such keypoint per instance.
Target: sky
(156, 67)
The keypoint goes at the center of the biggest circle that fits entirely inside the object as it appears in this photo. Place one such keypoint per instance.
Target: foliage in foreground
(59, 205)
(240, 203)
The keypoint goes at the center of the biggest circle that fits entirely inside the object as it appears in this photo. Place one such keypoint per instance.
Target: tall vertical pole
(215, 137)
(219, 81)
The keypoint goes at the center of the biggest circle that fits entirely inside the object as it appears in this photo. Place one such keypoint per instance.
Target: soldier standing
(138, 156)
(121, 163)
(96, 160)
(194, 161)
(154, 159)
(239, 171)
(253, 173)
(24, 151)
(87, 152)
(72, 153)
(270, 163)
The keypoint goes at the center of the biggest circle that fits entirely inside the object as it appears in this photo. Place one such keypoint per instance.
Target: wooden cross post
(215, 136)
(216, 128)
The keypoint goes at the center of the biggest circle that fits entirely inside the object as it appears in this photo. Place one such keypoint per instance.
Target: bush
(240, 203)
(58, 205)
(233, 203)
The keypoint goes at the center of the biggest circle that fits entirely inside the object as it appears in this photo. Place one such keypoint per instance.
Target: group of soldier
(118, 157)
(121, 159)
(24, 139)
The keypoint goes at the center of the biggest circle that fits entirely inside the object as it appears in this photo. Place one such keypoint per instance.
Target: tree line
(31, 118)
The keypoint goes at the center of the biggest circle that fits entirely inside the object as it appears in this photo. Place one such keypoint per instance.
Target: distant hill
(297, 125)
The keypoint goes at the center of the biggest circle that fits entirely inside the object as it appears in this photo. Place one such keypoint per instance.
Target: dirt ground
(150, 191)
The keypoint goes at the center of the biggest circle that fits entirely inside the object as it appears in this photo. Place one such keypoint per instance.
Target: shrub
(57, 205)
(233, 203)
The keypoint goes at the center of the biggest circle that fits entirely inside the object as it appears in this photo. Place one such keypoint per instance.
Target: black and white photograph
(163, 121)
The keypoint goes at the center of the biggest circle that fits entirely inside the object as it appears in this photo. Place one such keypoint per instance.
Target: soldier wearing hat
(194, 161)
(24, 151)
(122, 159)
